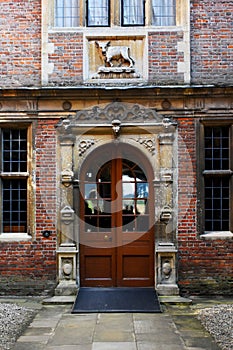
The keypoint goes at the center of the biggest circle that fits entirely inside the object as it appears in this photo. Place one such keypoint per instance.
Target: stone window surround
(182, 24)
(24, 236)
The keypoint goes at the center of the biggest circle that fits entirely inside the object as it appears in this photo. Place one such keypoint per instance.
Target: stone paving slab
(28, 346)
(155, 346)
(72, 334)
(41, 339)
(70, 347)
(114, 346)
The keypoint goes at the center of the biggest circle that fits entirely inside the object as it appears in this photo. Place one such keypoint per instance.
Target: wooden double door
(116, 219)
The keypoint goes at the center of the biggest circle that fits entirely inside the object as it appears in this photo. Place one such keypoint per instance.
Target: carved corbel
(166, 213)
(167, 175)
(116, 127)
(168, 121)
(67, 176)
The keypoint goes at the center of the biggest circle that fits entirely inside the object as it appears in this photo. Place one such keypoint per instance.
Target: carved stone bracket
(166, 138)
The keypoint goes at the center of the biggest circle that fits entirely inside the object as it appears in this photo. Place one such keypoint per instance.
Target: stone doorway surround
(156, 137)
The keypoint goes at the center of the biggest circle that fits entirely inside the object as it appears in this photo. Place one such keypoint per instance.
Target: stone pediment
(125, 113)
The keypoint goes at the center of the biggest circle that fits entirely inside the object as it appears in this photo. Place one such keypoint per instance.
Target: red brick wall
(67, 59)
(20, 49)
(163, 58)
(204, 267)
(30, 267)
(211, 47)
(211, 41)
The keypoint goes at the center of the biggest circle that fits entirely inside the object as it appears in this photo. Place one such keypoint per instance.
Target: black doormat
(90, 300)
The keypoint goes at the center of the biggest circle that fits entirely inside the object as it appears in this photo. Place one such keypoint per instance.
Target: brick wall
(163, 58)
(20, 52)
(211, 42)
(204, 267)
(67, 59)
(30, 267)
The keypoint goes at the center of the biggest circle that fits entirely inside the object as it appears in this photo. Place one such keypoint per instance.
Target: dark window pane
(14, 150)
(216, 148)
(217, 207)
(14, 203)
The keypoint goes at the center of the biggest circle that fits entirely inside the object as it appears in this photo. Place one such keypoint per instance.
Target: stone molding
(126, 113)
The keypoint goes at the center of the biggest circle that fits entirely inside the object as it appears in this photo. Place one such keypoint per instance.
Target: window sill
(14, 237)
(115, 30)
(212, 235)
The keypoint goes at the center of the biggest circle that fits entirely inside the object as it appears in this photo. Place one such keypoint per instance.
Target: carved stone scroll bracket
(166, 269)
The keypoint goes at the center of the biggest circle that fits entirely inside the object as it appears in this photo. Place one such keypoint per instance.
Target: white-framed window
(104, 13)
(15, 180)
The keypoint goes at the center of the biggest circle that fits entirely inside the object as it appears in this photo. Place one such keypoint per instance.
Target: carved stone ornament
(148, 143)
(67, 215)
(84, 145)
(166, 213)
(166, 139)
(67, 268)
(126, 113)
(67, 177)
(117, 61)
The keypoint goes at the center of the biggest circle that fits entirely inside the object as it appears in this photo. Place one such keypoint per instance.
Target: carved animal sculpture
(117, 53)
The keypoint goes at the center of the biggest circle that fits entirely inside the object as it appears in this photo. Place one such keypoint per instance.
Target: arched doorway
(116, 218)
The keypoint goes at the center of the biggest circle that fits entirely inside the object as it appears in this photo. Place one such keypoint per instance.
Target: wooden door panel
(136, 267)
(135, 264)
(98, 267)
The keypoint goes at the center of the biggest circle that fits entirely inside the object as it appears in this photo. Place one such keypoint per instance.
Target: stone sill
(217, 235)
(14, 237)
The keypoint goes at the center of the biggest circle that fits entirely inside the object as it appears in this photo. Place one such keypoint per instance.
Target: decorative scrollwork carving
(124, 112)
(84, 145)
(148, 143)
